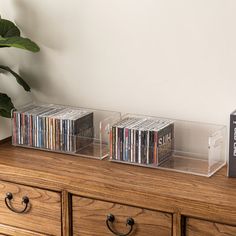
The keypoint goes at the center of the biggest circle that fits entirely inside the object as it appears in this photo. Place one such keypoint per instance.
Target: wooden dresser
(44, 193)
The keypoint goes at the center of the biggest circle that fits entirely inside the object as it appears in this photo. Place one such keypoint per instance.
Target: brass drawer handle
(9, 197)
(111, 219)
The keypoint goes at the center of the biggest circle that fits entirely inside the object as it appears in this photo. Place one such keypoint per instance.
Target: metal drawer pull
(9, 197)
(111, 219)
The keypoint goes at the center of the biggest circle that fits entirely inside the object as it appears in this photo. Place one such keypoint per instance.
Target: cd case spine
(52, 127)
(142, 141)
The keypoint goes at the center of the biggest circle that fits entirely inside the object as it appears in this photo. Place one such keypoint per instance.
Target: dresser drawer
(6, 230)
(195, 227)
(42, 214)
(90, 216)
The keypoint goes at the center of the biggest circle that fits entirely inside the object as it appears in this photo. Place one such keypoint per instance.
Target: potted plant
(10, 36)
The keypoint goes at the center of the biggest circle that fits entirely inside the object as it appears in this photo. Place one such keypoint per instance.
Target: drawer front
(195, 227)
(89, 218)
(6, 230)
(43, 212)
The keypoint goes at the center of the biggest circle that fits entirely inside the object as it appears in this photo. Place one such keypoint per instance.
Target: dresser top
(145, 187)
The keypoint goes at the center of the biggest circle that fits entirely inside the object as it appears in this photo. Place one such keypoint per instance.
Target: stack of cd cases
(142, 140)
(52, 127)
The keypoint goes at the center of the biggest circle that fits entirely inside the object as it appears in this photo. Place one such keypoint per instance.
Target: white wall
(173, 58)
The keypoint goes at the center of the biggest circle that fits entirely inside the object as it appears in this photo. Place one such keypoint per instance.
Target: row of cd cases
(184, 146)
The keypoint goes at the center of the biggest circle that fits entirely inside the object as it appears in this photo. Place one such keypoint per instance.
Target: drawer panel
(89, 218)
(195, 227)
(43, 213)
(6, 230)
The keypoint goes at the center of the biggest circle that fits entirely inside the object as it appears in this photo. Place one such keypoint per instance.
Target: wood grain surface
(212, 199)
(195, 227)
(44, 208)
(177, 224)
(66, 213)
(6, 230)
(89, 218)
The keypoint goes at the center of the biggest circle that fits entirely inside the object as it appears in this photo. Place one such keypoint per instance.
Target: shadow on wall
(5, 127)
(34, 69)
(33, 18)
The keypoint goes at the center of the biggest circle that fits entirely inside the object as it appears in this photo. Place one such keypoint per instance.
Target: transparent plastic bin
(65, 129)
(177, 145)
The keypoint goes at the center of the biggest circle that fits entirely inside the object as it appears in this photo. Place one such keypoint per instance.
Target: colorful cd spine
(53, 128)
(142, 140)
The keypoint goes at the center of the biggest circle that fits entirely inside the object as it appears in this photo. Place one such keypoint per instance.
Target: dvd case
(232, 146)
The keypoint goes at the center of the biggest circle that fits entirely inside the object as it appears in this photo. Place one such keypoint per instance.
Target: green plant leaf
(5, 114)
(6, 105)
(19, 42)
(8, 29)
(18, 78)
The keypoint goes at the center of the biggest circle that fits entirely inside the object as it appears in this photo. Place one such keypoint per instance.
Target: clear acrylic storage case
(66, 129)
(184, 146)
